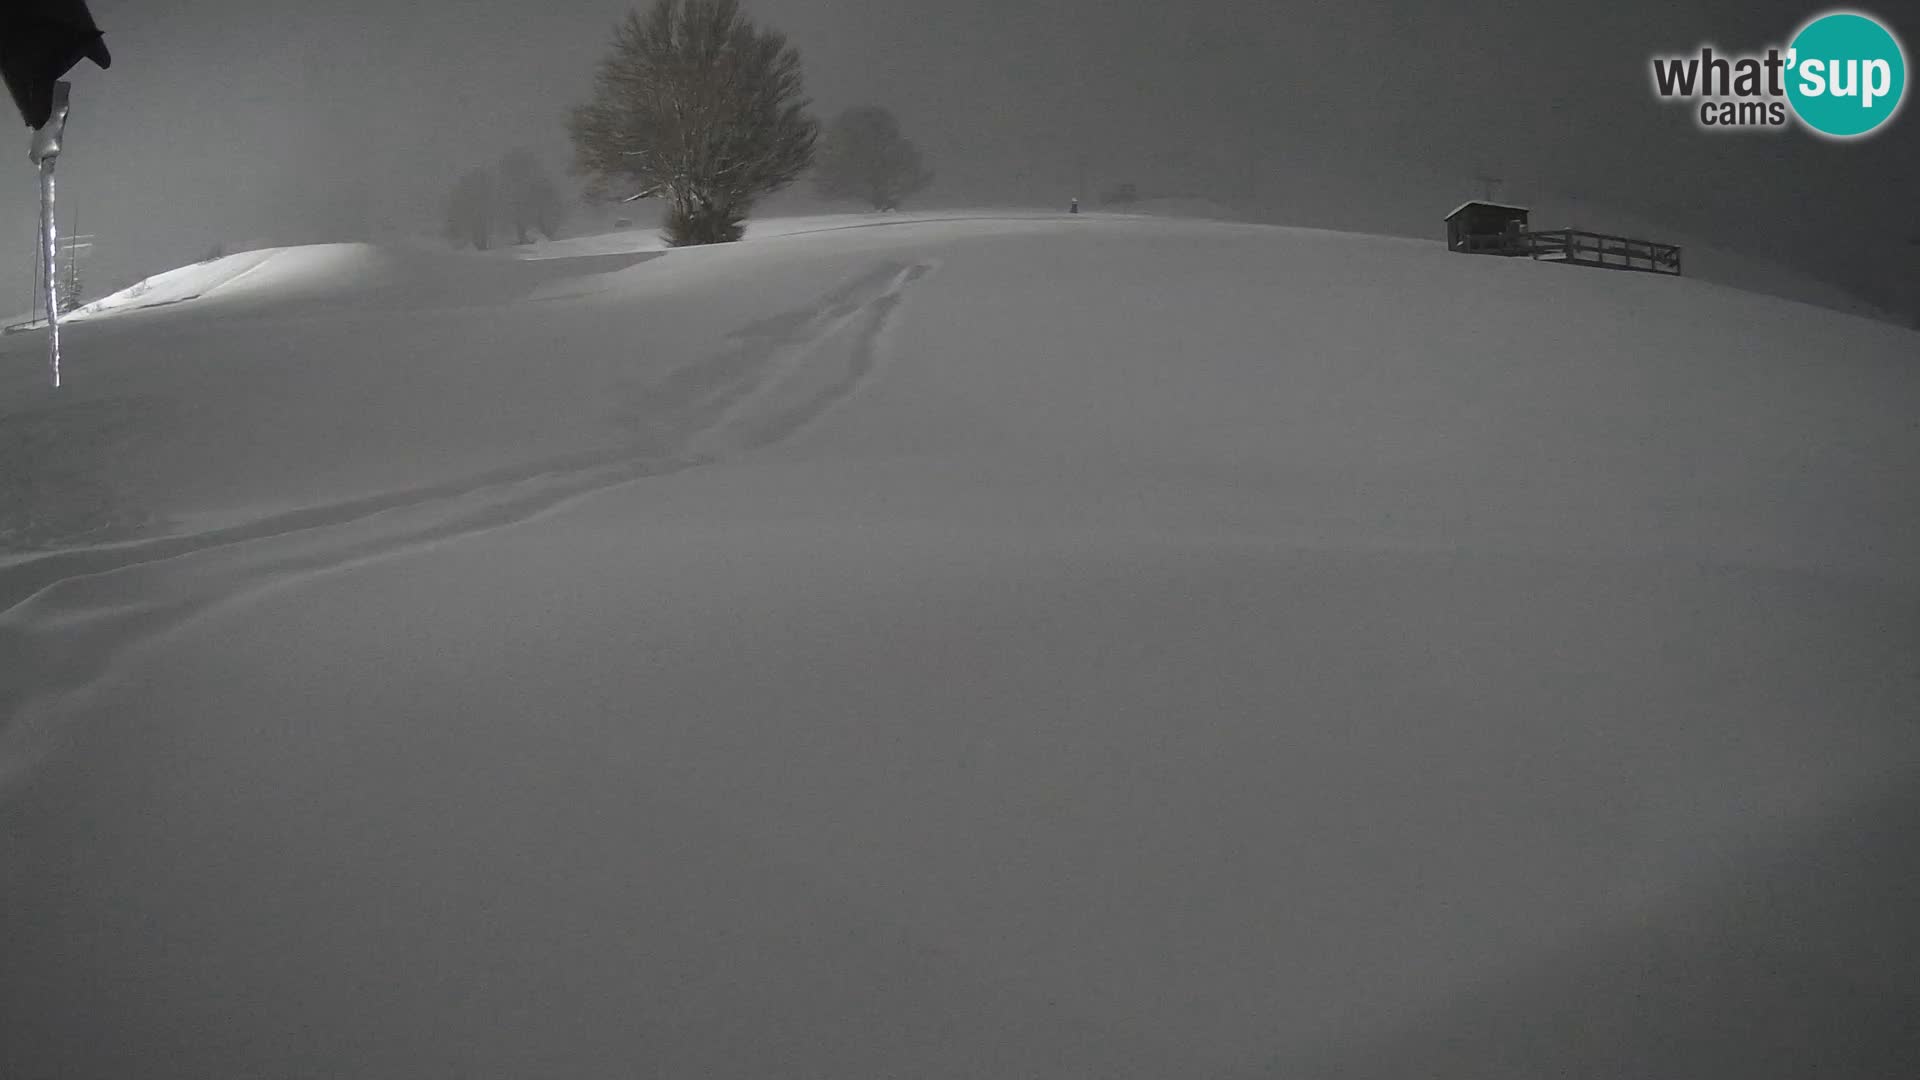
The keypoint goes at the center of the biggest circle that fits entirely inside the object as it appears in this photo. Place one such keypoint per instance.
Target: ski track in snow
(66, 617)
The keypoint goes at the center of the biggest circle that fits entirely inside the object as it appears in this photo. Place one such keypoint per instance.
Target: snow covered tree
(470, 210)
(698, 106)
(864, 156)
(528, 198)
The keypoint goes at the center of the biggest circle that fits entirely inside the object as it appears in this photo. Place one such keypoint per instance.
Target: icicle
(52, 253)
(46, 147)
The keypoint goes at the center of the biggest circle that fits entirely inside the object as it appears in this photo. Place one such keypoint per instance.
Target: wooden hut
(1487, 228)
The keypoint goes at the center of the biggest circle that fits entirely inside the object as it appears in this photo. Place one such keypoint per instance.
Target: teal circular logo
(1847, 74)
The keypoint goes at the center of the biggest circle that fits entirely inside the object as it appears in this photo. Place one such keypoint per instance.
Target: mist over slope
(979, 646)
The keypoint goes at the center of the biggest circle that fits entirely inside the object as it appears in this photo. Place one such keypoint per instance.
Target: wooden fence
(1598, 249)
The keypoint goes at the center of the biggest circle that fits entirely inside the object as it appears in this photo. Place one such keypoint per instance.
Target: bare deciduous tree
(865, 157)
(528, 198)
(470, 210)
(696, 105)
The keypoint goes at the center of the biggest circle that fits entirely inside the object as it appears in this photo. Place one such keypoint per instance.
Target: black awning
(41, 40)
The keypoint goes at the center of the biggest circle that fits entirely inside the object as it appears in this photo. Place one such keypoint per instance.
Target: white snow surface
(973, 645)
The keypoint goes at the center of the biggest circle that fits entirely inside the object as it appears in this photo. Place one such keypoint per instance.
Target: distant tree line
(516, 197)
(865, 157)
(696, 106)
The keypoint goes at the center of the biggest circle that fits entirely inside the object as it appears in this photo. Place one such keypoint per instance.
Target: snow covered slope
(988, 646)
(1707, 261)
(362, 275)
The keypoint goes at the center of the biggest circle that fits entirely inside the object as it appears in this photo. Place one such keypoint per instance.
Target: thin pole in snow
(39, 245)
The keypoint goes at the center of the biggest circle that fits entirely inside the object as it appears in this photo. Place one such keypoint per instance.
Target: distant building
(1490, 228)
(1487, 228)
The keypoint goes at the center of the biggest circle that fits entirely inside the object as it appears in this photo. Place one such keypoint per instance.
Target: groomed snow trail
(66, 616)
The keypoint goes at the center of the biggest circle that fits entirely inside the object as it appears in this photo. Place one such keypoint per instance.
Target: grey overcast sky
(251, 121)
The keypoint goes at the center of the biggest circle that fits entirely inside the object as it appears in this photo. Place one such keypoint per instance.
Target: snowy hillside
(976, 646)
(1707, 261)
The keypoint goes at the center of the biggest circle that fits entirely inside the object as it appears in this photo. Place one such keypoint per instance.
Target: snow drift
(1010, 646)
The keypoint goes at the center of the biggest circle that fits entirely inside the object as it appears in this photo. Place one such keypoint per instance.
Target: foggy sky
(257, 121)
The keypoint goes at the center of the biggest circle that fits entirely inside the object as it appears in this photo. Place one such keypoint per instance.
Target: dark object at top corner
(41, 40)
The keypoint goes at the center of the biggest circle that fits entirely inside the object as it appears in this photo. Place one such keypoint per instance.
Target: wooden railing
(1579, 247)
(1601, 250)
